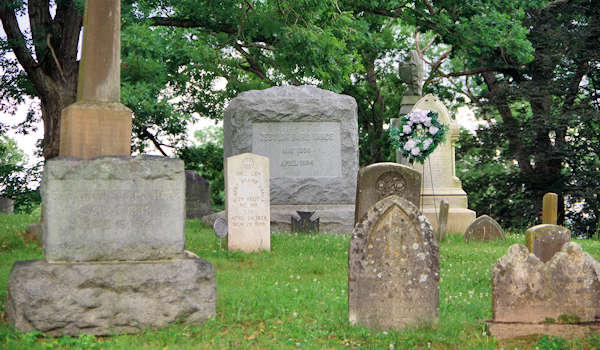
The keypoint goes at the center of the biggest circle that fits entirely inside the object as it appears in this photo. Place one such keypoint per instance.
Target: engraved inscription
(299, 149)
(390, 183)
(249, 197)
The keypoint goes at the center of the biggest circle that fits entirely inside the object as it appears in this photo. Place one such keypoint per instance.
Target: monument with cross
(113, 230)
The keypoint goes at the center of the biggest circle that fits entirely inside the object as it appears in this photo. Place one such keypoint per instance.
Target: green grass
(296, 297)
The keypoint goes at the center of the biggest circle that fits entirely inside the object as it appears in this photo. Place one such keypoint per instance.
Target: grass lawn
(296, 297)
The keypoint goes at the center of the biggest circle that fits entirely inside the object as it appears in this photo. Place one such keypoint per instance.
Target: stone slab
(109, 298)
(524, 289)
(247, 202)
(550, 208)
(546, 239)
(7, 205)
(505, 330)
(379, 180)
(442, 228)
(393, 268)
(113, 208)
(94, 129)
(310, 136)
(197, 195)
(484, 228)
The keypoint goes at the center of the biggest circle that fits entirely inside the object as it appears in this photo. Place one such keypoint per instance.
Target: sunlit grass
(295, 297)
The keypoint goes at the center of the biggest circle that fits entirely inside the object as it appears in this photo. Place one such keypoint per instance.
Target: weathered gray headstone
(7, 205)
(197, 195)
(220, 227)
(247, 202)
(113, 208)
(545, 240)
(527, 290)
(484, 228)
(310, 136)
(380, 180)
(393, 267)
(442, 220)
(36, 229)
(109, 298)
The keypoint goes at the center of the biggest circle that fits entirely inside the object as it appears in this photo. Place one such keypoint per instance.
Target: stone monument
(546, 239)
(559, 297)
(7, 205)
(393, 268)
(197, 195)
(441, 231)
(440, 181)
(550, 208)
(247, 202)
(113, 231)
(310, 136)
(380, 180)
(484, 228)
(412, 74)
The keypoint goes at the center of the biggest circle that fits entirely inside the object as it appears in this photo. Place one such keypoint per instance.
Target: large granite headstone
(439, 174)
(380, 180)
(113, 226)
(247, 202)
(310, 136)
(545, 240)
(558, 297)
(7, 205)
(484, 228)
(197, 195)
(393, 267)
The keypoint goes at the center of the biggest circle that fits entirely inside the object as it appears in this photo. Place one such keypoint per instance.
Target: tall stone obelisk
(113, 227)
(97, 124)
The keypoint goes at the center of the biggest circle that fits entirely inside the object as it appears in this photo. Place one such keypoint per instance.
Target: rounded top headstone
(220, 227)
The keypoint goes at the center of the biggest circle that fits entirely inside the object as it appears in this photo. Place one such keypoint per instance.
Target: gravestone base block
(94, 129)
(458, 218)
(109, 298)
(333, 218)
(505, 330)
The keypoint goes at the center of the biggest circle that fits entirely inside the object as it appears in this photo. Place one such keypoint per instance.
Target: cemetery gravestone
(247, 202)
(550, 208)
(484, 228)
(440, 182)
(6, 205)
(442, 220)
(532, 297)
(197, 195)
(545, 240)
(113, 225)
(380, 180)
(310, 136)
(393, 267)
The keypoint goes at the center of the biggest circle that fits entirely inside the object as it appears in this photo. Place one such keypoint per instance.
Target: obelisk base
(109, 298)
(93, 129)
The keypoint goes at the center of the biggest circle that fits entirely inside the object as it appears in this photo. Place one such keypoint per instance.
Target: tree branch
(16, 40)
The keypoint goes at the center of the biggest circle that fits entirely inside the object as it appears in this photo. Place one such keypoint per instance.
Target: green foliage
(552, 343)
(207, 160)
(16, 178)
(568, 318)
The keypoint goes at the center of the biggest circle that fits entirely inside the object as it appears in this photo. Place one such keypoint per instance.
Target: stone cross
(550, 208)
(97, 124)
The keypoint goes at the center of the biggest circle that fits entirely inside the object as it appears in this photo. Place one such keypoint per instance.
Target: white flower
(410, 144)
(427, 143)
(415, 151)
(406, 129)
(418, 115)
(433, 130)
(427, 121)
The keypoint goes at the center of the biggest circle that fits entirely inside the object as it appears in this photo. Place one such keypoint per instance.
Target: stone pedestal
(114, 245)
(439, 175)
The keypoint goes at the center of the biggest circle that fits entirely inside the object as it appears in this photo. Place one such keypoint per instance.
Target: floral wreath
(418, 135)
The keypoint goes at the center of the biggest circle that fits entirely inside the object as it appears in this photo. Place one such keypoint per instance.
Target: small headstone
(550, 208)
(36, 230)
(545, 240)
(304, 224)
(484, 228)
(442, 220)
(220, 227)
(525, 289)
(7, 205)
(197, 195)
(380, 180)
(393, 267)
(247, 202)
